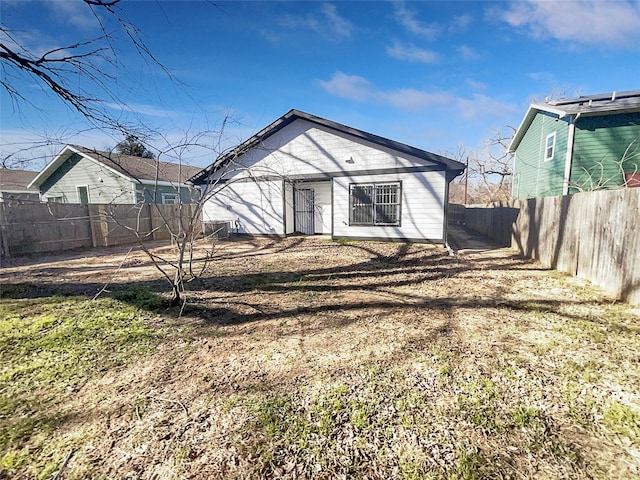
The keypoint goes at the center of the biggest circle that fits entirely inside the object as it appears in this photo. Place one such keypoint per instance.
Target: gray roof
(618, 102)
(585, 105)
(16, 180)
(140, 168)
(136, 168)
(293, 115)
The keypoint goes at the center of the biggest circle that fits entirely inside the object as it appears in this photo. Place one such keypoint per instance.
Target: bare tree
(494, 170)
(489, 171)
(91, 59)
(58, 68)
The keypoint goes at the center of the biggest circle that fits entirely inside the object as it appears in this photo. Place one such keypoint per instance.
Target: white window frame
(547, 157)
(174, 196)
(78, 187)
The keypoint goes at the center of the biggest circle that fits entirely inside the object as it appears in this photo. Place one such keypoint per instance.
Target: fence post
(4, 241)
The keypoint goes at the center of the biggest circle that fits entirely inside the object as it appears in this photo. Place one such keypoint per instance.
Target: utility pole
(466, 180)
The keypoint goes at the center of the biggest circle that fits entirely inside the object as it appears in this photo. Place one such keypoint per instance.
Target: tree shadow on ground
(377, 278)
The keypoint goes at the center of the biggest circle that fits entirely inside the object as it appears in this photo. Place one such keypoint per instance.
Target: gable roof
(293, 115)
(138, 169)
(586, 105)
(16, 180)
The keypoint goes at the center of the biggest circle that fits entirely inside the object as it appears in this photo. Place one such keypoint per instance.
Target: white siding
(305, 148)
(288, 199)
(253, 207)
(422, 208)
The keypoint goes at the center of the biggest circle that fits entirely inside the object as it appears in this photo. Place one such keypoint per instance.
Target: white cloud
(142, 109)
(351, 87)
(337, 24)
(468, 53)
(359, 89)
(326, 22)
(578, 21)
(411, 53)
(541, 76)
(77, 14)
(407, 18)
(461, 23)
(409, 99)
(476, 85)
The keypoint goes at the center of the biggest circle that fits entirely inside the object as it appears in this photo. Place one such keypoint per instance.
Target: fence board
(594, 235)
(39, 227)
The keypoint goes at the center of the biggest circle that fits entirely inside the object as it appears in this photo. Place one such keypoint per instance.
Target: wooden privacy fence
(50, 227)
(594, 235)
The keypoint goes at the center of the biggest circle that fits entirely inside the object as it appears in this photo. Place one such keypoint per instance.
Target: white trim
(533, 110)
(162, 183)
(19, 191)
(546, 147)
(176, 197)
(62, 157)
(134, 192)
(78, 193)
(569, 156)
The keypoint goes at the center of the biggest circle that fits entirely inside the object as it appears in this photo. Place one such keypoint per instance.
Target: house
(14, 185)
(571, 145)
(305, 174)
(81, 175)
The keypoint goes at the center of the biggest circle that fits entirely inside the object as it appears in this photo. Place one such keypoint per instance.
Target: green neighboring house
(571, 145)
(82, 175)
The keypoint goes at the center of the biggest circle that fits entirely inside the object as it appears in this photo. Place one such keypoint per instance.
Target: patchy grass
(49, 348)
(315, 359)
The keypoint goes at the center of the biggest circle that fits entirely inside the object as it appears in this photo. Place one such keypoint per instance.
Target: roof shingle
(11, 179)
(142, 168)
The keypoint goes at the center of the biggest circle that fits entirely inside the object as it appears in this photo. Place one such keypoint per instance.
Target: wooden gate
(303, 204)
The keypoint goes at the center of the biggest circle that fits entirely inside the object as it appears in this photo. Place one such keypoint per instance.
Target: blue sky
(435, 75)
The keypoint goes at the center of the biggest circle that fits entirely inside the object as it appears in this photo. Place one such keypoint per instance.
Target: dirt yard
(308, 358)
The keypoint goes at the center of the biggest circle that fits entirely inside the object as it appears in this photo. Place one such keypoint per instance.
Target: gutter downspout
(569, 155)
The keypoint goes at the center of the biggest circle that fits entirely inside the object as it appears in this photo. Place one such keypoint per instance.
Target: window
(83, 195)
(170, 198)
(55, 199)
(549, 147)
(374, 204)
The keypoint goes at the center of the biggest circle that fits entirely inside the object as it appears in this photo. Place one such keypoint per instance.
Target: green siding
(153, 194)
(533, 176)
(600, 144)
(104, 185)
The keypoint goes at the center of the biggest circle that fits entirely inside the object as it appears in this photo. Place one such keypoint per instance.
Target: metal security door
(303, 203)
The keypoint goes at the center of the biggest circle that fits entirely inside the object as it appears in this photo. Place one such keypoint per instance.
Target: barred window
(374, 204)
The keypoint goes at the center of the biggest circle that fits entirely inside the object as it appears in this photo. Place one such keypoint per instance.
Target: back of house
(305, 174)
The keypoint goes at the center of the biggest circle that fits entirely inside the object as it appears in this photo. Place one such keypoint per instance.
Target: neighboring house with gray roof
(578, 144)
(82, 175)
(14, 185)
(305, 174)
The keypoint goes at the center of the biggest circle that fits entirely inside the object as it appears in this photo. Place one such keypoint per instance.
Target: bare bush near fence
(599, 177)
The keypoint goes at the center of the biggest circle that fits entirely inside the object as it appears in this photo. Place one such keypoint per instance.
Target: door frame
(310, 204)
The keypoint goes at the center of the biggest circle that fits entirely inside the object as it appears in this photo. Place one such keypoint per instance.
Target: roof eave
(294, 114)
(52, 166)
(533, 110)
(62, 157)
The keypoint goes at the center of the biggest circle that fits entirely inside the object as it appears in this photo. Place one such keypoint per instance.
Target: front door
(303, 204)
